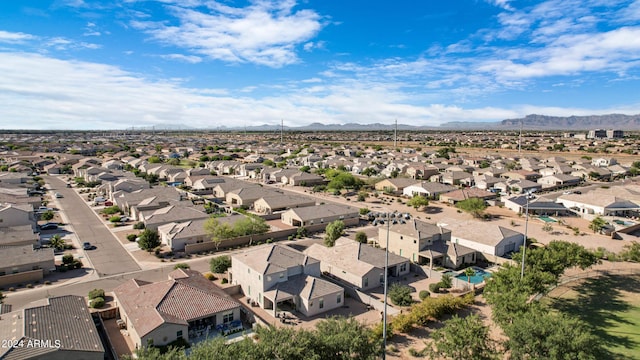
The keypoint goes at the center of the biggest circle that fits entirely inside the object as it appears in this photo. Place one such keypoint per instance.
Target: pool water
(546, 219)
(479, 277)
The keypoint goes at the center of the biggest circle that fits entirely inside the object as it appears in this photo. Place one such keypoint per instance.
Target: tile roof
(64, 318)
(273, 258)
(186, 296)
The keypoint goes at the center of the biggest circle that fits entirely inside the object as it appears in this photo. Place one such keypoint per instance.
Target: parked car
(124, 218)
(49, 226)
(108, 203)
(42, 209)
(58, 195)
(88, 246)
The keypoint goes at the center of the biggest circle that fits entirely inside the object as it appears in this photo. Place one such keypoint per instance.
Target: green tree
(631, 252)
(149, 239)
(418, 201)
(57, 242)
(369, 172)
(220, 264)
(333, 230)
(47, 215)
(217, 231)
(361, 237)
(597, 224)
(183, 266)
(305, 168)
(447, 281)
(250, 225)
(469, 272)
(463, 339)
(154, 160)
(473, 206)
(400, 294)
(540, 334)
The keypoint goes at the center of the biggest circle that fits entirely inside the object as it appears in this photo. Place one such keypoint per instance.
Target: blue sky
(84, 64)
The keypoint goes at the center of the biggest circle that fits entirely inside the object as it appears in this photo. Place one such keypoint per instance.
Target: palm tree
(469, 272)
(597, 224)
(57, 242)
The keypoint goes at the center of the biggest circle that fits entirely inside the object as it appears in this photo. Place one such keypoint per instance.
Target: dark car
(88, 246)
(49, 226)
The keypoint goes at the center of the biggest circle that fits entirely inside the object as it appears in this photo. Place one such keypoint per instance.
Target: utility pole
(395, 135)
(281, 130)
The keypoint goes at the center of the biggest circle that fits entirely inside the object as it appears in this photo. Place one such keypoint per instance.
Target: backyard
(610, 305)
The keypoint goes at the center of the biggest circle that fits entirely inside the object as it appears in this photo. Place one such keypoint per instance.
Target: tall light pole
(526, 223)
(386, 272)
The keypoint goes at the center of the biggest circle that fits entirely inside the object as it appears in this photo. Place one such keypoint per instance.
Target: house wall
(179, 243)
(356, 280)
(329, 302)
(15, 217)
(43, 266)
(484, 248)
(516, 241)
(288, 217)
(252, 282)
(22, 277)
(164, 334)
(400, 244)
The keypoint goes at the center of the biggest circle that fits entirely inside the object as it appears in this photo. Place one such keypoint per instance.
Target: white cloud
(47, 93)
(265, 33)
(184, 58)
(14, 37)
(504, 4)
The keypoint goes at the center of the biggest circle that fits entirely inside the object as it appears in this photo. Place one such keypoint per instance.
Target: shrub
(220, 264)
(403, 323)
(97, 303)
(149, 239)
(400, 294)
(96, 293)
(181, 266)
(111, 210)
(210, 276)
(114, 219)
(415, 353)
(47, 282)
(224, 280)
(67, 259)
(424, 294)
(361, 237)
(29, 286)
(447, 281)
(139, 225)
(434, 288)
(132, 237)
(47, 215)
(12, 289)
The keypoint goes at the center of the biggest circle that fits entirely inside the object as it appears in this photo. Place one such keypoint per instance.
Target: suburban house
(485, 237)
(177, 235)
(456, 196)
(184, 306)
(172, 213)
(277, 276)
(394, 186)
(31, 263)
(538, 206)
(559, 180)
(18, 235)
(17, 215)
(303, 179)
(358, 264)
(517, 186)
(62, 326)
(424, 243)
(270, 204)
(245, 197)
(603, 203)
(430, 190)
(321, 214)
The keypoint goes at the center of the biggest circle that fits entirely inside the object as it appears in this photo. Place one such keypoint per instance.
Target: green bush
(132, 237)
(67, 259)
(220, 264)
(114, 219)
(210, 276)
(111, 210)
(424, 294)
(400, 294)
(96, 293)
(139, 226)
(181, 266)
(434, 288)
(47, 215)
(224, 280)
(97, 303)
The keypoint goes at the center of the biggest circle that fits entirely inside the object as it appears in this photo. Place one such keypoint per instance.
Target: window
(179, 334)
(269, 278)
(403, 267)
(381, 278)
(414, 241)
(339, 299)
(311, 303)
(259, 277)
(321, 303)
(366, 282)
(401, 237)
(281, 275)
(228, 317)
(248, 271)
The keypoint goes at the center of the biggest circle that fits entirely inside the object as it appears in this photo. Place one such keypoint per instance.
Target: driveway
(109, 257)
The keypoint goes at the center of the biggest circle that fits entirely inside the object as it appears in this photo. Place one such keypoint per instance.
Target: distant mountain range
(529, 122)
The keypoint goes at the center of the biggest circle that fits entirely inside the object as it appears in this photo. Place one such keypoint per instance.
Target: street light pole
(524, 245)
(386, 272)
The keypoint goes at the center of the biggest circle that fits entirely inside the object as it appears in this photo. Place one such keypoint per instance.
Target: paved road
(109, 257)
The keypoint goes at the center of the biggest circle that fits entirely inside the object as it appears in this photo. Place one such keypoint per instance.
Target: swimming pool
(547, 219)
(479, 277)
